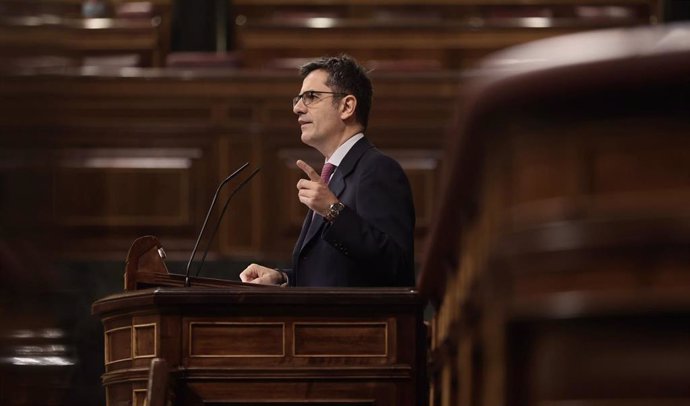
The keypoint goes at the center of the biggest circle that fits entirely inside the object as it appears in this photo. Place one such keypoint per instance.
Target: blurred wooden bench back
(559, 258)
(404, 34)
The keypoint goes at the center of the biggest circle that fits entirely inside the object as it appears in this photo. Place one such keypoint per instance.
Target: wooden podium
(241, 344)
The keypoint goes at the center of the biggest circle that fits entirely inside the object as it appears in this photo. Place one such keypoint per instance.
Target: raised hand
(313, 192)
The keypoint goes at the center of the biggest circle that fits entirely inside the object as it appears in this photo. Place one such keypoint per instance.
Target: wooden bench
(558, 260)
(79, 39)
(450, 34)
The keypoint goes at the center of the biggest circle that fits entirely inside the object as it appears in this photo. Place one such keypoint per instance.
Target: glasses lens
(308, 97)
(311, 96)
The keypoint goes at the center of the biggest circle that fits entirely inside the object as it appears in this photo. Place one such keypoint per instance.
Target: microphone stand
(215, 229)
(203, 227)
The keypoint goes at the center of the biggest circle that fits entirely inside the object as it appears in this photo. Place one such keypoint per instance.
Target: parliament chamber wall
(108, 133)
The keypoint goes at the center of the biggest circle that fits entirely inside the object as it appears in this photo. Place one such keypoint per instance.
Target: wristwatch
(333, 211)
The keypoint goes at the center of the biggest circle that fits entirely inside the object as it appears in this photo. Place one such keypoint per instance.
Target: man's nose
(299, 107)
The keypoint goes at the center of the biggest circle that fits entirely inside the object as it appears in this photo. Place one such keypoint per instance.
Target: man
(359, 229)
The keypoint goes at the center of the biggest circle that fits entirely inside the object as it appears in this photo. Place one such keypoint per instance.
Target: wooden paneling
(229, 339)
(98, 190)
(118, 344)
(332, 340)
(124, 156)
(244, 215)
(145, 340)
(270, 345)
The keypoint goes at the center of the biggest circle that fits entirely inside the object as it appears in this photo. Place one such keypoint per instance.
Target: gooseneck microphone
(203, 227)
(227, 202)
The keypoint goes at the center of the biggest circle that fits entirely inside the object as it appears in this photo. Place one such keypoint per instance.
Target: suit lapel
(337, 183)
(349, 163)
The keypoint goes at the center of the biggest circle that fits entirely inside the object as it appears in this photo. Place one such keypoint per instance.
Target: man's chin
(306, 139)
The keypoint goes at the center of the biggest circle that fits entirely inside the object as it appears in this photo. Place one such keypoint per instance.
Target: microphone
(213, 202)
(227, 202)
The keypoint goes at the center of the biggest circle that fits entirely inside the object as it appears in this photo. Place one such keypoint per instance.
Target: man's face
(320, 121)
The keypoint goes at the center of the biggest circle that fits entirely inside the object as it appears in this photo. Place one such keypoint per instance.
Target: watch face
(334, 211)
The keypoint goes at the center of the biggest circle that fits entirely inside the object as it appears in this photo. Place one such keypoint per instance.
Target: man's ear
(348, 105)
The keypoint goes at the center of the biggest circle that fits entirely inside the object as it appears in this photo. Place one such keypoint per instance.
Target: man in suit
(359, 229)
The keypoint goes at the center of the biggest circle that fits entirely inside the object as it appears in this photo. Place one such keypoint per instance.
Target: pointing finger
(309, 171)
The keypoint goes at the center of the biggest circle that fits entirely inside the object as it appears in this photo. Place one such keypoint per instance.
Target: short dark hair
(345, 75)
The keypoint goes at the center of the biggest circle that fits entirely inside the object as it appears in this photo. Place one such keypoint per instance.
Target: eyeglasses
(311, 96)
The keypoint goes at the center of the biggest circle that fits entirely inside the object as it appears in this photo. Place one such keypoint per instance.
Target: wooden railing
(558, 260)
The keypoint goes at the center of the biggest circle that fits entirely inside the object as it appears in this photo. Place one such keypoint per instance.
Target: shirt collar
(339, 154)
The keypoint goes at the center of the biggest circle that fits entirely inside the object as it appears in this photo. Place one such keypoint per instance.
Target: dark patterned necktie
(326, 172)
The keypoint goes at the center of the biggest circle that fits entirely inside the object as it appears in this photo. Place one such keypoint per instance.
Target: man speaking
(359, 230)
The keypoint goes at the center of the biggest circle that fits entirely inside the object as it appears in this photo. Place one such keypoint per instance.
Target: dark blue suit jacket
(371, 243)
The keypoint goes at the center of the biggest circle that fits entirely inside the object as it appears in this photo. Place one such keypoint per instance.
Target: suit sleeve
(290, 274)
(377, 228)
